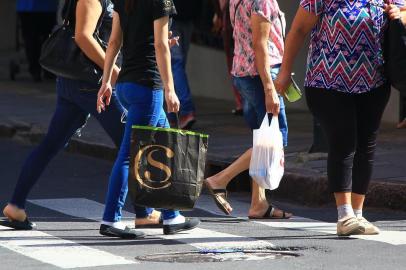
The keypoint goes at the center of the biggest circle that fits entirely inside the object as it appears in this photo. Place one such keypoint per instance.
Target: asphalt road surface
(67, 204)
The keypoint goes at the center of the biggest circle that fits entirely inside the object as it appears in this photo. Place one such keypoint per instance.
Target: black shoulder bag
(61, 55)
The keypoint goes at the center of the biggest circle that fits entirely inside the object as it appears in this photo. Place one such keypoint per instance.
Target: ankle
(358, 213)
(345, 211)
(258, 206)
(219, 180)
(176, 220)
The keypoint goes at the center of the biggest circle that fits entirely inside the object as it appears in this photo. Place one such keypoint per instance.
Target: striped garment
(346, 50)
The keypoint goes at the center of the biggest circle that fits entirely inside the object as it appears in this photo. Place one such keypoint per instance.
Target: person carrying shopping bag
(75, 103)
(346, 90)
(258, 36)
(141, 28)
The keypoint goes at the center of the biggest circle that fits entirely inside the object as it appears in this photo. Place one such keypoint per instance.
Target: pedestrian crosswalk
(67, 254)
(59, 252)
(306, 224)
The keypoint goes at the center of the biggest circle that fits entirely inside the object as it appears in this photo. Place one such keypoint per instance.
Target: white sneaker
(370, 229)
(350, 226)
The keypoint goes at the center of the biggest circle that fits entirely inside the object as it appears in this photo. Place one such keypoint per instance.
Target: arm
(110, 70)
(303, 23)
(87, 15)
(396, 12)
(163, 58)
(403, 14)
(260, 34)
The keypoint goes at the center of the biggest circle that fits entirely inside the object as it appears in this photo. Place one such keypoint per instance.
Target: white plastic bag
(268, 159)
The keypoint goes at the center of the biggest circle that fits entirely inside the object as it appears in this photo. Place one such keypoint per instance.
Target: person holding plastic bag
(258, 27)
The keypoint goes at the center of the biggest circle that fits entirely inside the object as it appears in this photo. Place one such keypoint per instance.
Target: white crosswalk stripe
(305, 224)
(199, 238)
(56, 251)
(68, 254)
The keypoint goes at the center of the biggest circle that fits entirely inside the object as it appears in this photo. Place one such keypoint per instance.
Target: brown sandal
(220, 198)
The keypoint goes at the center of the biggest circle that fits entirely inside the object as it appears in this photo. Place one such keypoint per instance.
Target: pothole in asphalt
(220, 255)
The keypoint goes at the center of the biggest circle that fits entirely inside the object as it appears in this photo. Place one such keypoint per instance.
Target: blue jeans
(75, 103)
(179, 59)
(252, 91)
(145, 107)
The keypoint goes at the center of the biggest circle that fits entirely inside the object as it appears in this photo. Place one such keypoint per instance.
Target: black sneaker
(127, 233)
(189, 224)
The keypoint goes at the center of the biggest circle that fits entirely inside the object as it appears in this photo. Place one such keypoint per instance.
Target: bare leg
(259, 204)
(357, 201)
(221, 179)
(342, 198)
(153, 218)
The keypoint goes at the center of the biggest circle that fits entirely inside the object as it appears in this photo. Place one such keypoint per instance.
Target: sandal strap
(270, 211)
(220, 192)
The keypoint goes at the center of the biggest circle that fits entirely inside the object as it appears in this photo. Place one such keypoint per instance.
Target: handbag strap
(68, 8)
(69, 16)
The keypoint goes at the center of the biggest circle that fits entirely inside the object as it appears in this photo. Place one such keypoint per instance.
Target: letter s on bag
(147, 182)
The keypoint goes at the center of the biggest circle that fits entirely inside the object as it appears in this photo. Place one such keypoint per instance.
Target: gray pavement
(26, 108)
(68, 201)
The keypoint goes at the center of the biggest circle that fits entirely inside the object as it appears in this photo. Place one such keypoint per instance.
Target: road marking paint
(388, 237)
(199, 238)
(208, 239)
(305, 224)
(76, 207)
(56, 251)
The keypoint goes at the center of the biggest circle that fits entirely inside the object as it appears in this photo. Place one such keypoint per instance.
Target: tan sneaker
(370, 229)
(350, 226)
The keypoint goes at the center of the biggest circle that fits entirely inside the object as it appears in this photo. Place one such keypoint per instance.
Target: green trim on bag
(182, 132)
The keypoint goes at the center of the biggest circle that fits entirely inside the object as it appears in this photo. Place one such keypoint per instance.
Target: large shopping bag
(166, 167)
(267, 160)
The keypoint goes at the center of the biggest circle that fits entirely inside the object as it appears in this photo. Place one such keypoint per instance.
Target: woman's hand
(172, 101)
(217, 24)
(282, 83)
(105, 93)
(172, 41)
(272, 103)
(393, 11)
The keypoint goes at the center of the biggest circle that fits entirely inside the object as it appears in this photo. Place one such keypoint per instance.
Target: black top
(187, 10)
(104, 22)
(139, 62)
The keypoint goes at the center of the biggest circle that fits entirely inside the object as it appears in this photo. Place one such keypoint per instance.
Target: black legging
(351, 123)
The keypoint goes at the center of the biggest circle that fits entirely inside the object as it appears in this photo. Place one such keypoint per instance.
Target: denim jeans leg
(67, 119)
(182, 87)
(84, 94)
(145, 107)
(178, 62)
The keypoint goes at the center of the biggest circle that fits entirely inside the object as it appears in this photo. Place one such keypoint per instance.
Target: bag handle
(265, 122)
(68, 11)
(72, 5)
